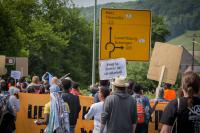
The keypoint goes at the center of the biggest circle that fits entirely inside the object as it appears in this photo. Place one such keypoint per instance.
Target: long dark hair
(191, 84)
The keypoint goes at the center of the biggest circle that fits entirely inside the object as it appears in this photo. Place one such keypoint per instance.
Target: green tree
(76, 57)
(10, 41)
(159, 30)
(51, 33)
(137, 71)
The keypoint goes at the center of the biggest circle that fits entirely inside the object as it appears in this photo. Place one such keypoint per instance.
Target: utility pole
(94, 43)
(193, 52)
(193, 47)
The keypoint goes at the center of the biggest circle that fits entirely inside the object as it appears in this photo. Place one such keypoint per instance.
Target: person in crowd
(94, 89)
(131, 85)
(97, 108)
(169, 93)
(104, 83)
(12, 87)
(23, 86)
(3, 86)
(159, 95)
(75, 89)
(182, 115)
(12, 105)
(73, 102)
(120, 112)
(56, 112)
(9, 105)
(144, 110)
(34, 86)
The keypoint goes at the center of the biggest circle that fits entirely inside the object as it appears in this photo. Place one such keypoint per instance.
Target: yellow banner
(154, 124)
(32, 108)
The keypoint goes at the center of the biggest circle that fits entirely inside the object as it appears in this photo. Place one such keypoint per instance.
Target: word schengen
(110, 69)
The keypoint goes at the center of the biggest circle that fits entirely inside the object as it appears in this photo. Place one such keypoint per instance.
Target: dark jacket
(74, 106)
(119, 113)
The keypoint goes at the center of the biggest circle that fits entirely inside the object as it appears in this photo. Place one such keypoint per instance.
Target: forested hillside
(49, 34)
(180, 15)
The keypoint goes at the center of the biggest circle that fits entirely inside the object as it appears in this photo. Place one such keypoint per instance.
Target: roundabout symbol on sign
(110, 45)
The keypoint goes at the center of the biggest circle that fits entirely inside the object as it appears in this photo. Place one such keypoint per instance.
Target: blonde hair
(35, 79)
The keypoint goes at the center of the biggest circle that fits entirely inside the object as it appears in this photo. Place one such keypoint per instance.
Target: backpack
(3, 106)
(7, 119)
(140, 109)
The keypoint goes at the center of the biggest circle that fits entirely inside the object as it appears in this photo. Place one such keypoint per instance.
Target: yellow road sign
(125, 34)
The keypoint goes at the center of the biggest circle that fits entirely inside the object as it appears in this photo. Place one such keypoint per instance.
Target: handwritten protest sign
(16, 74)
(110, 69)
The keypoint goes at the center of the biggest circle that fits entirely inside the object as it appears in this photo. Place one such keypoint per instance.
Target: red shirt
(75, 92)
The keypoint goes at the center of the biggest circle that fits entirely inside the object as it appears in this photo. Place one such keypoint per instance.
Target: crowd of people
(60, 113)
(119, 106)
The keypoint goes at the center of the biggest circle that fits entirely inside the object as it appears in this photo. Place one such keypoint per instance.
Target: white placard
(110, 69)
(16, 74)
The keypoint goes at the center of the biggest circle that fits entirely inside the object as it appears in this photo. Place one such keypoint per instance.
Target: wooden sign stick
(161, 76)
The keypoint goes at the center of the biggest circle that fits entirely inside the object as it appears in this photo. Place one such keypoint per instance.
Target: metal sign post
(94, 44)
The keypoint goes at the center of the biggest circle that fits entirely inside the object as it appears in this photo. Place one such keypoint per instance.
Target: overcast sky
(85, 3)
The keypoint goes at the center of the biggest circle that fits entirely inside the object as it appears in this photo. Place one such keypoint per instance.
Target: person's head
(3, 85)
(22, 79)
(103, 93)
(23, 85)
(54, 80)
(167, 86)
(137, 89)
(12, 82)
(104, 83)
(75, 85)
(120, 83)
(67, 84)
(190, 85)
(131, 85)
(35, 79)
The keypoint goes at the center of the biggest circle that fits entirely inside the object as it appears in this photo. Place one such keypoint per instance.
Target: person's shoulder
(132, 98)
(73, 96)
(111, 97)
(96, 105)
(196, 99)
(69, 96)
(172, 104)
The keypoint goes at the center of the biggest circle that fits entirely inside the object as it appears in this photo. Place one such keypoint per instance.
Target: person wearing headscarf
(56, 112)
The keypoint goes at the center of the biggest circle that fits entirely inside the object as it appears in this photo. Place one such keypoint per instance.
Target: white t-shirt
(95, 111)
(12, 90)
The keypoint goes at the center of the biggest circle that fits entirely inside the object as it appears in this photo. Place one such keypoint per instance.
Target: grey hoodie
(120, 112)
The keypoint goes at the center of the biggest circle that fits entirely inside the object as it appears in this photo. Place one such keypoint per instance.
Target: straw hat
(120, 82)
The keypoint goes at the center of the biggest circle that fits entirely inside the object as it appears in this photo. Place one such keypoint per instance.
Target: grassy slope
(186, 40)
